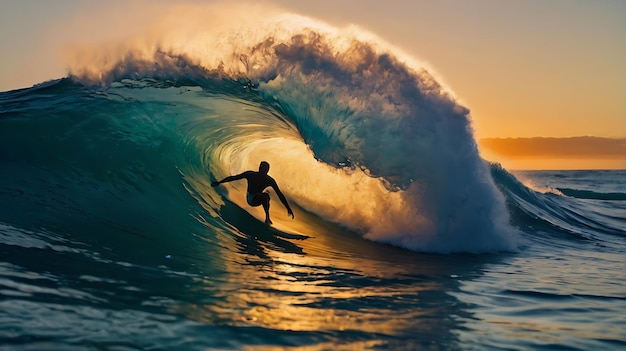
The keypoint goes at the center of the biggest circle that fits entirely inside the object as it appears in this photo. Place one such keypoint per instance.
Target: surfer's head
(264, 167)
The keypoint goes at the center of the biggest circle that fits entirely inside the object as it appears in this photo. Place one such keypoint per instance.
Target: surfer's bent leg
(260, 199)
(265, 200)
(254, 199)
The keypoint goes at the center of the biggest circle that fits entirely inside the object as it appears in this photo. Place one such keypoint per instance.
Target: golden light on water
(321, 290)
(293, 296)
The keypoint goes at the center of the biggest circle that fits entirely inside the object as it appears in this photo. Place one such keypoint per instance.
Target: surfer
(257, 182)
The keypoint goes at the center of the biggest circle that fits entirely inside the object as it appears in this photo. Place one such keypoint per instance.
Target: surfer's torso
(257, 182)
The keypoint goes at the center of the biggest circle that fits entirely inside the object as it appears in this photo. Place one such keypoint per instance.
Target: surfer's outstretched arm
(229, 179)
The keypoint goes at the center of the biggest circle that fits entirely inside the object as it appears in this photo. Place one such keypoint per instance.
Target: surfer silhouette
(257, 182)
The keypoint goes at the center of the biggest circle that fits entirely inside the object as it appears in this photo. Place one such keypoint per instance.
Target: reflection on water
(335, 289)
(302, 294)
(231, 288)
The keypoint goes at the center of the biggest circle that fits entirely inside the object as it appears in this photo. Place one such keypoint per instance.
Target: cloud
(585, 147)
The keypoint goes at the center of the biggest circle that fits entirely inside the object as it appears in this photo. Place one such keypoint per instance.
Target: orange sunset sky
(545, 80)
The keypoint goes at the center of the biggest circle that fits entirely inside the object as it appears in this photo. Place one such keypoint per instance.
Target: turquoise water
(111, 237)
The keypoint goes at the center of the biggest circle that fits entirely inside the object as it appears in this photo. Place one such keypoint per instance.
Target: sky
(527, 70)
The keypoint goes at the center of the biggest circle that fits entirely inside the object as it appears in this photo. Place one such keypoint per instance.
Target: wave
(592, 195)
(355, 135)
(551, 212)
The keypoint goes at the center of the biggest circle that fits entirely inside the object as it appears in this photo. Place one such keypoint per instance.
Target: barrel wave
(354, 135)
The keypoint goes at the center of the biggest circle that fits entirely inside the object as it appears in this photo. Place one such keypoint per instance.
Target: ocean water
(111, 237)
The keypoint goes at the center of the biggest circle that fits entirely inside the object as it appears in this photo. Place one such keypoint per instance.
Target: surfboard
(288, 235)
(241, 219)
